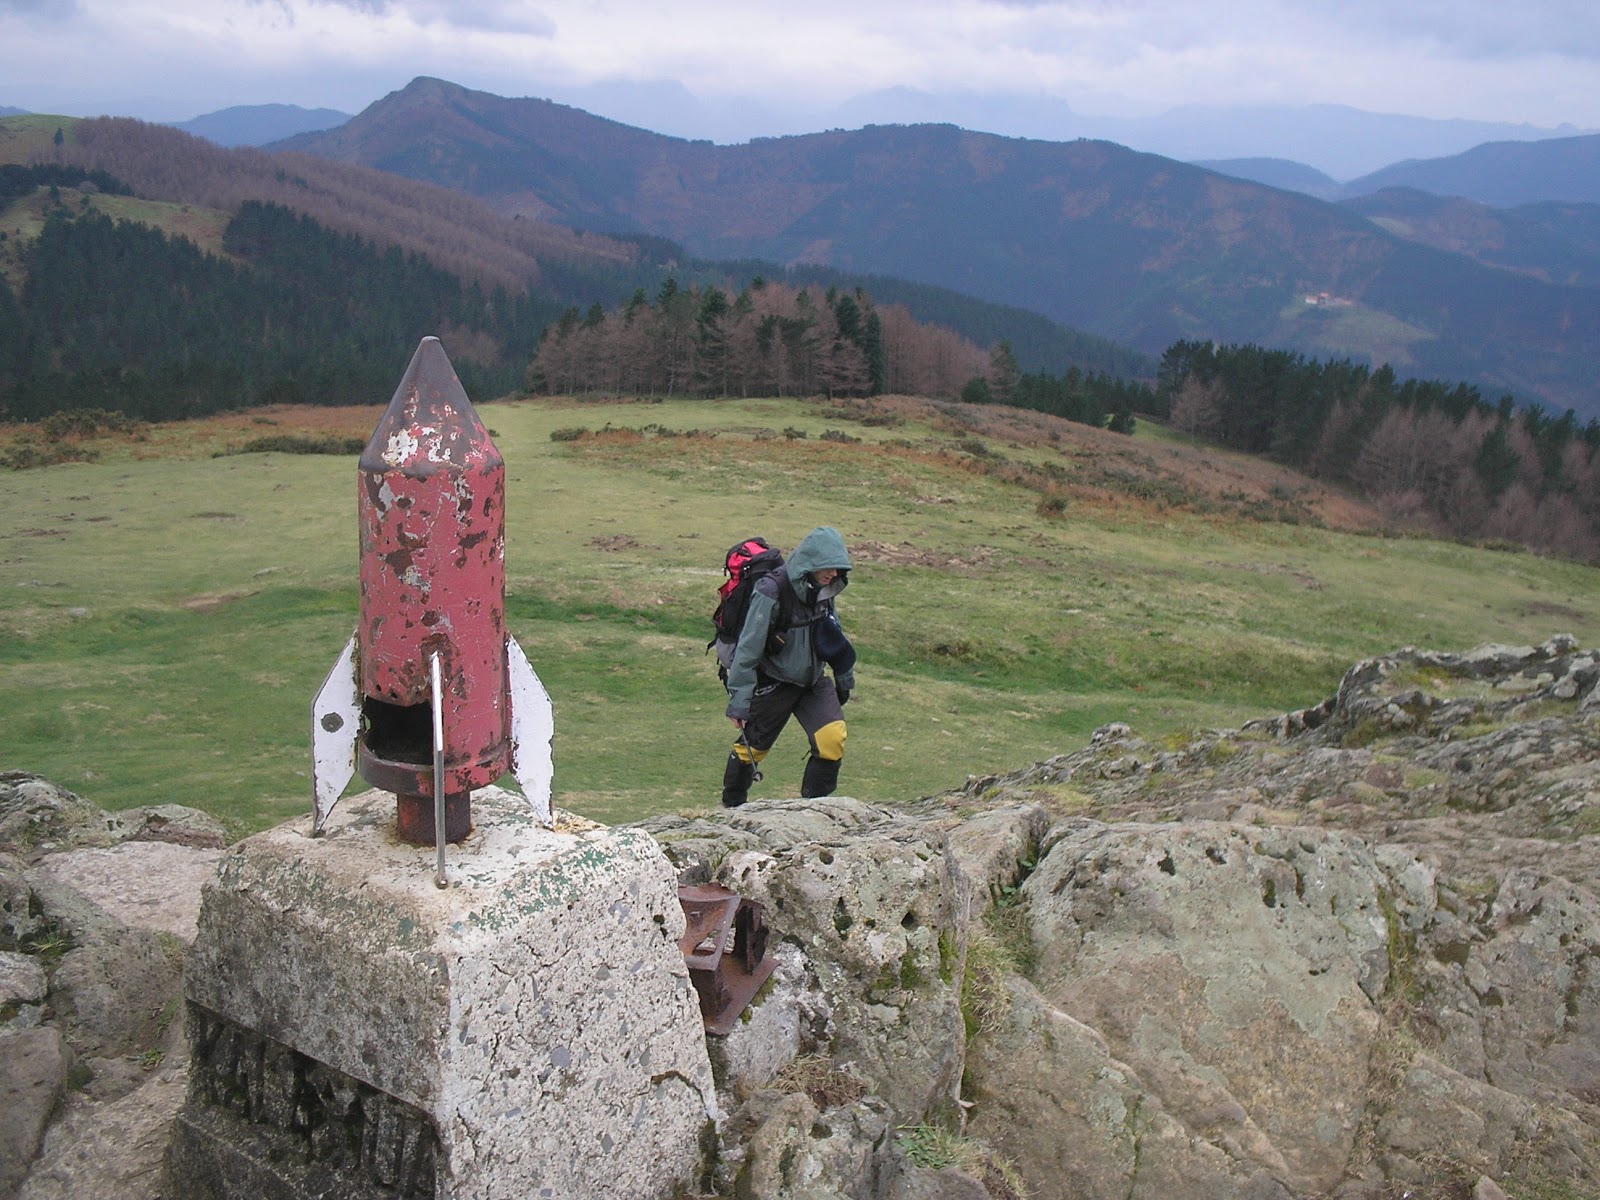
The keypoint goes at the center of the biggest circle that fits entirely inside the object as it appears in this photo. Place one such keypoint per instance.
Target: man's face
(825, 576)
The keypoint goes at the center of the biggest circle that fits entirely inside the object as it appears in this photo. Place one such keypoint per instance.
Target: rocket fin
(533, 725)
(335, 723)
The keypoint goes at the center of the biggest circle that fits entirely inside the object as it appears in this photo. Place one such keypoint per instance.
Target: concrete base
(530, 1031)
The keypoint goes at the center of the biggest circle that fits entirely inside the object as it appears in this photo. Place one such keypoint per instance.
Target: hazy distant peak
(1503, 174)
(1276, 172)
(259, 124)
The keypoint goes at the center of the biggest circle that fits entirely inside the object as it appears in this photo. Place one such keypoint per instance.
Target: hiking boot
(736, 779)
(821, 777)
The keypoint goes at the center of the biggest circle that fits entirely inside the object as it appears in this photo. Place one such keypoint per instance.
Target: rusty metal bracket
(725, 946)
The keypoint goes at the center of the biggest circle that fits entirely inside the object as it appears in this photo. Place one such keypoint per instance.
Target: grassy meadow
(166, 615)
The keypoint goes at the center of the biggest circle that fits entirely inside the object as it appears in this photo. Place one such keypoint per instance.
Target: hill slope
(1188, 585)
(1559, 243)
(1501, 173)
(1129, 246)
(1276, 172)
(192, 187)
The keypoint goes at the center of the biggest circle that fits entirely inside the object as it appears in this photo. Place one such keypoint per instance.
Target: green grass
(164, 623)
(1336, 328)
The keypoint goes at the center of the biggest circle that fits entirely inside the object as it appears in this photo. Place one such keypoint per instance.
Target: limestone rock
(1228, 966)
(36, 814)
(946, 1183)
(1438, 1111)
(789, 1019)
(110, 1151)
(18, 921)
(33, 1074)
(863, 893)
(792, 1150)
(114, 995)
(1079, 1124)
(149, 885)
(991, 852)
(22, 979)
(172, 824)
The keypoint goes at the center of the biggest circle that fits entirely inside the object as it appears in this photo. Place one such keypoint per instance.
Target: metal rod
(755, 763)
(440, 879)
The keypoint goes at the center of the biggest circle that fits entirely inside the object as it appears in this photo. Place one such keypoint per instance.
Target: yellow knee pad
(748, 752)
(829, 741)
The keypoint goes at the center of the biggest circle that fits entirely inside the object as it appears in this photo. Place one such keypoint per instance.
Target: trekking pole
(750, 754)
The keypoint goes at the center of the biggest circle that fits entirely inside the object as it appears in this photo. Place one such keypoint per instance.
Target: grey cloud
(484, 16)
(478, 16)
(1478, 29)
(55, 10)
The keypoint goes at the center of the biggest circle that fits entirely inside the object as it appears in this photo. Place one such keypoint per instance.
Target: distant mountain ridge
(1339, 140)
(1278, 173)
(258, 124)
(1129, 246)
(1501, 174)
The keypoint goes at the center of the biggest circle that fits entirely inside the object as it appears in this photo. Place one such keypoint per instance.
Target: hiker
(779, 667)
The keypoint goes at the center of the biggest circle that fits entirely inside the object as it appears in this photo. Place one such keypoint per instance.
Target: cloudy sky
(742, 67)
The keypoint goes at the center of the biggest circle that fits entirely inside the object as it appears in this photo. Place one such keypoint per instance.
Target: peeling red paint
(433, 579)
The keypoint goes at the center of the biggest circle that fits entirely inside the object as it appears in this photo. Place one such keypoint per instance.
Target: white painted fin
(335, 723)
(533, 725)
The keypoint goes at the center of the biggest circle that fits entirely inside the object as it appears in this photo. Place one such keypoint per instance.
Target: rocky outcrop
(1352, 951)
(96, 909)
(1349, 952)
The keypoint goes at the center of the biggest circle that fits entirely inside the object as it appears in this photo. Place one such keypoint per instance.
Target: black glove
(843, 694)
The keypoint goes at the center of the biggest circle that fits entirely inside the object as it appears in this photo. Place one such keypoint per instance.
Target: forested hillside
(1133, 247)
(773, 339)
(117, 315)
(1429, 455)
(238, 277)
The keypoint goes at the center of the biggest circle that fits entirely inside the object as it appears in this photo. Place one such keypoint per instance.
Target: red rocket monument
(431, 697)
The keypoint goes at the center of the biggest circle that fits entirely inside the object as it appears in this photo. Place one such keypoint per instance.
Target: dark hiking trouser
(817, 709)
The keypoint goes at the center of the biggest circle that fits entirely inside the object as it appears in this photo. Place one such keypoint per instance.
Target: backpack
(744, 563)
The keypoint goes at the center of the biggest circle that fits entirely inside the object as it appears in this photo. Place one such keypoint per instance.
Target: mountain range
(1126, 245)
(1473, 159)
(1499, 174)
(1342, 141)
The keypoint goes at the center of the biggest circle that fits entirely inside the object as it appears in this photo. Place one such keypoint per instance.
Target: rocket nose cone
(430, 424)
(432, 378)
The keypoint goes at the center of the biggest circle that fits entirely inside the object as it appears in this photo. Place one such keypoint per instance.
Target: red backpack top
(745, 562)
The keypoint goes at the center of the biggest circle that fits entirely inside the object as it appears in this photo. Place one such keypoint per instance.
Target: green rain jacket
(795, 660)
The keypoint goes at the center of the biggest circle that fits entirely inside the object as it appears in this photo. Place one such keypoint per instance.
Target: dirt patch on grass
(1105, 467)
(905, 554)
(1303, 578)
(616, 542)
(1544, 608)
(210, 601)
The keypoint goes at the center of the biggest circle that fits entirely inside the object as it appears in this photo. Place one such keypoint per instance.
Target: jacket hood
(819, 550)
